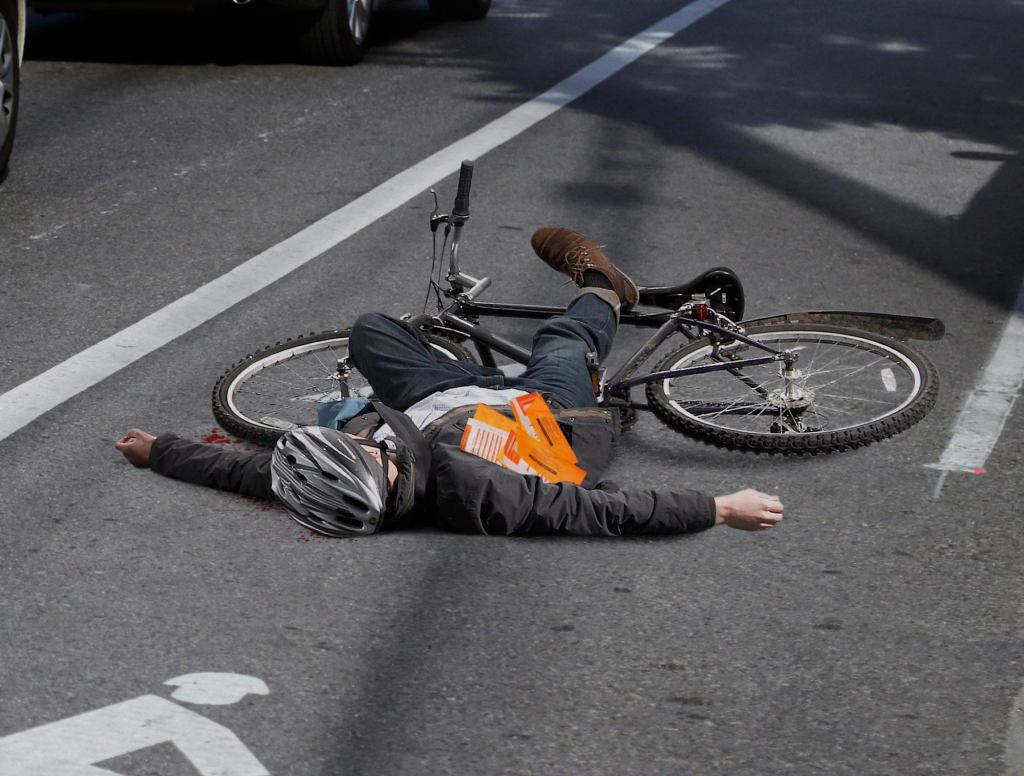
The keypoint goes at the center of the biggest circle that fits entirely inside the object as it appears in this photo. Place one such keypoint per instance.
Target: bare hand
(748, 510)
(137, 446)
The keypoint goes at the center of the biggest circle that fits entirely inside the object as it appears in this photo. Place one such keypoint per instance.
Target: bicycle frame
(690, 319)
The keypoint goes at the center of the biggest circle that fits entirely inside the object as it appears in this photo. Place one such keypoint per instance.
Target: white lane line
(26, 402)
(984, 414)
(1013, 752)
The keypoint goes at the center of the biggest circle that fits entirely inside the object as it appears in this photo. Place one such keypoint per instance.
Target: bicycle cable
(440, 267)
(435, 285)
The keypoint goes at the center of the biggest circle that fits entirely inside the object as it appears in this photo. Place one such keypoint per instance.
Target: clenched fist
(136, 446)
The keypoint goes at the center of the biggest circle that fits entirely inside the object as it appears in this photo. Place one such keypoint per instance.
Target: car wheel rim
(358, 12)
(6, 78)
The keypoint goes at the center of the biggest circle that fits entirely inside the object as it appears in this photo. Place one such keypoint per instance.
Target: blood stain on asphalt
(218, 437)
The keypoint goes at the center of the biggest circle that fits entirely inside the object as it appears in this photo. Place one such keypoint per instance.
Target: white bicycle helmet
(328, 482)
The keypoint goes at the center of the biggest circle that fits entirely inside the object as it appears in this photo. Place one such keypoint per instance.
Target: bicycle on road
(800, 383)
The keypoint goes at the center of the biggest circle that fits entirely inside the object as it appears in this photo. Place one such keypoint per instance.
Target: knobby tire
(722, 411)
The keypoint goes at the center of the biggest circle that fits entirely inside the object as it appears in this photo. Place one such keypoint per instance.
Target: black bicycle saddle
(720, 285)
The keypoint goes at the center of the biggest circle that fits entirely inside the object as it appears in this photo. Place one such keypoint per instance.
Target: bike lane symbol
(72, 746)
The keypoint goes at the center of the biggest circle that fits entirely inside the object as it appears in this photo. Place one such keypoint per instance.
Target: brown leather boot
(572, 254)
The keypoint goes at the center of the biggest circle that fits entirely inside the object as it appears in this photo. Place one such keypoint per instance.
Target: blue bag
(335, 414)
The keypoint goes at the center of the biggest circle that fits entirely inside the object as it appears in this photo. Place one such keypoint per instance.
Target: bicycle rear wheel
(853, 388)
(279, 387)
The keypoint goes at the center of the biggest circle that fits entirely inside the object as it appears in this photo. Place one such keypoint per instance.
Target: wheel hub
(790, 400)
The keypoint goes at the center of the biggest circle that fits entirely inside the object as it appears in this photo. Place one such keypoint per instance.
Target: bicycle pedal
(596, 374)
(628, 416)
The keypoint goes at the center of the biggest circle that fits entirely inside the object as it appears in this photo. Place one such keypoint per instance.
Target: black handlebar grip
(462, 197)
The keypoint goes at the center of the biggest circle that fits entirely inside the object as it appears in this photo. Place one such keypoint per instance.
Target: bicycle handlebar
(461, 209)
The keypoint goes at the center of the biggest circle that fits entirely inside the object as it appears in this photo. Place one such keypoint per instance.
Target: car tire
(338, 34)
(460, 9)
(9, 75)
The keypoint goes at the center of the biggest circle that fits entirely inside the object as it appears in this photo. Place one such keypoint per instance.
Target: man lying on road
(411, 470)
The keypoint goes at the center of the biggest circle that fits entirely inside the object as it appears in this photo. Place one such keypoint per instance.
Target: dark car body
(158, 6)
(12, 44)
(324, 31)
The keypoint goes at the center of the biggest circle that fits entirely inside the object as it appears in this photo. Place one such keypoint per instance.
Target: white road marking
(215, 689)
(984, 414)
(1013, 753)
(73, 746)
(26, 402)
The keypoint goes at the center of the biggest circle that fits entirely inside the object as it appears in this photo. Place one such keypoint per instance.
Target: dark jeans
(402, 368)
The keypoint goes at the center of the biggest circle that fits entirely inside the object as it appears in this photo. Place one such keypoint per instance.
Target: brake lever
(437, 218)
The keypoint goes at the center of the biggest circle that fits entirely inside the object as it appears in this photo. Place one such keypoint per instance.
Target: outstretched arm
(477, 497)
(198, 463)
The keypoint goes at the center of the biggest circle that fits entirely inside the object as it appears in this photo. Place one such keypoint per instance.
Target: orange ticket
(494, 437)
(535, 416)
(511, 444)
(546, 465)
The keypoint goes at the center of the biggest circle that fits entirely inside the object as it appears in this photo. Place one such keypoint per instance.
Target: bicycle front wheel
(279, 387)
(851, 388)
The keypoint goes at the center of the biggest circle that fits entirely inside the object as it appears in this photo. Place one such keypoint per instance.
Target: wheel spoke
(860, 399)
(283, 385)
(833, 389)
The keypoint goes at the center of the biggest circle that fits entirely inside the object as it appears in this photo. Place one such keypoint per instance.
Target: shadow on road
(945, 69)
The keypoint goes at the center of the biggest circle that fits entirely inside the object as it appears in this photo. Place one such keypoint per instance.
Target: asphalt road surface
(844, 155)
